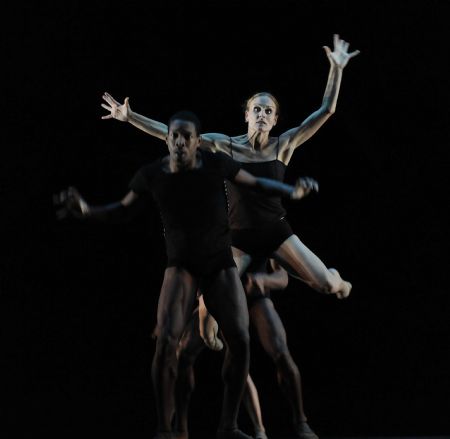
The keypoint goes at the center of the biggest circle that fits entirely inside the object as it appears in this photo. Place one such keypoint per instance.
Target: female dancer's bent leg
(295, 256)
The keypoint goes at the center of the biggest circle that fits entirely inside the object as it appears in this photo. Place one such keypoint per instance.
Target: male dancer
(188, 187)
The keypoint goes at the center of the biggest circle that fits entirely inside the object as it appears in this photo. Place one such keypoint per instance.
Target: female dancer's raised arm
(291, 139)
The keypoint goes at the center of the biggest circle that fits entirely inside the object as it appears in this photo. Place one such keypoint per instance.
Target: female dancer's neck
(257, 139)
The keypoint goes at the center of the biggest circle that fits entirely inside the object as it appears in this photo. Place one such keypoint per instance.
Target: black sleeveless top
(250, 209)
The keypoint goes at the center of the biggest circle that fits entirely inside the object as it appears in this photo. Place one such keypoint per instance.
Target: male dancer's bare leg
(272, 335)
(175, 305)
(189, 348)
(225, 298)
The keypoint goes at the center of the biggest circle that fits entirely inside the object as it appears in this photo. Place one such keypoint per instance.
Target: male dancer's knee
(238, 342)
(237, 353)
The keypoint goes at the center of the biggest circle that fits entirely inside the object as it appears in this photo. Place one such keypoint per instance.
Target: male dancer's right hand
(71, 203)
(303, 187)
(116, 109)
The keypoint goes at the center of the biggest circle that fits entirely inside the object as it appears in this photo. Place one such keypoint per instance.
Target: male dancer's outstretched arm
(71, 203)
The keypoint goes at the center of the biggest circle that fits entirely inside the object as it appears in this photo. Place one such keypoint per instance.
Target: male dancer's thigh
(225, 299)
(269, 327)
(176, 301)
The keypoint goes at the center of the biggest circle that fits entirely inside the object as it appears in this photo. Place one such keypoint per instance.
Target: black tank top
(250, 209)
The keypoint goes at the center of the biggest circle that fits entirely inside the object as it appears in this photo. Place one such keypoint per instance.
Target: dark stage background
(78, 299)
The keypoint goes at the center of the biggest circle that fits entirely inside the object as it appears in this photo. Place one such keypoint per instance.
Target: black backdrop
(78, 300)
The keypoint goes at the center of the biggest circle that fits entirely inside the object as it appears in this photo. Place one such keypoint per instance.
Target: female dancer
(257, 222)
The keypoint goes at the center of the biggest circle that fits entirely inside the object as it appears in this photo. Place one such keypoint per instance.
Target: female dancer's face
(261, 114)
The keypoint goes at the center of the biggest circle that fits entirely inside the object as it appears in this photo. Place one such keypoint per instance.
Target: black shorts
(262, 241)
(205, 265)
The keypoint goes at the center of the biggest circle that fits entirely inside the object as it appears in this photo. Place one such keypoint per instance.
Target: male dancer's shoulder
(143, 178)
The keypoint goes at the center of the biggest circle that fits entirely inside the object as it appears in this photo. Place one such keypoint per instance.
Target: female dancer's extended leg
(295, 256)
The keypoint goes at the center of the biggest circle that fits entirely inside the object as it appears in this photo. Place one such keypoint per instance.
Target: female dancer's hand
(303, 187)
(72, 204)
(117, 110)
(339, 57)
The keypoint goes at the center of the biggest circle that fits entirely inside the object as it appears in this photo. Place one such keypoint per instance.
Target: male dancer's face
(183, 141)
(261, 114)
